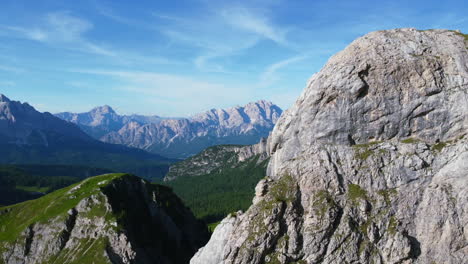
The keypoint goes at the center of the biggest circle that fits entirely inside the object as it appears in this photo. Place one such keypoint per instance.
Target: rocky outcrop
(180, 137)
(113, 218)
(369, 165)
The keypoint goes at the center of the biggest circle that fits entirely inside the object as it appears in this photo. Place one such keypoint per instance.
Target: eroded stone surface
(369, 165)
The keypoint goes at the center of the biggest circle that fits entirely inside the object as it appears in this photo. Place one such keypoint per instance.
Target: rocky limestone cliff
(115, 218)
(369, 165)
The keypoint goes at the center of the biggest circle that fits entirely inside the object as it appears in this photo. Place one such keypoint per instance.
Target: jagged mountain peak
(105, 109)
(20, 123)
(4, 99)
(242, 113)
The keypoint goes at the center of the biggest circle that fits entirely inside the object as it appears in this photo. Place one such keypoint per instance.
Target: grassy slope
(16, 218)
(127, 211)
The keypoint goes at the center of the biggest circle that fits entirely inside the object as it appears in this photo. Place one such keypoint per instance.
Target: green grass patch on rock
(355, 192)
(410, 141)
(281, 189)
(212, 226)
(364, 151)
(387, 194)
(439, 146)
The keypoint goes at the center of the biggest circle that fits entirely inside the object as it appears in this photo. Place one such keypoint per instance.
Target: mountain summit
(4, 99)
(181, 137)
(369, 165)
(21, 124)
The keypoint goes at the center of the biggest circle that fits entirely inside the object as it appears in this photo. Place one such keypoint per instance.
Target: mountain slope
(183, 137)
(219, 180)
(369, 165)
(113, 218)
(30, 137)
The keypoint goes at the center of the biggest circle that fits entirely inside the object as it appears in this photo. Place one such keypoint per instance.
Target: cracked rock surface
(369, 166)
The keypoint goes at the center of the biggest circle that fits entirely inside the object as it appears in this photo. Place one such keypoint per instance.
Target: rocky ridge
(21, 124)
(181, 137)
(369, 165)
(114, 218)
(218, 158)
(102, 120)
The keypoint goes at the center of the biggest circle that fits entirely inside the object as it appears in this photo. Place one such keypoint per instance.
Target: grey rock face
(181, 137)
(369, 165)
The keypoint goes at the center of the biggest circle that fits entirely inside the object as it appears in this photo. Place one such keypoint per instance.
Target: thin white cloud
(69, 32)
(220, 33)
(30, 33)
(203, 62)
(64, 27)
(110, 13)
(61, 28)
(269, 76)
(245, 19)
(211, 40)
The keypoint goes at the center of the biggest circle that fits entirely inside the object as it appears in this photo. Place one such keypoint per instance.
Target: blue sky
(176, 58)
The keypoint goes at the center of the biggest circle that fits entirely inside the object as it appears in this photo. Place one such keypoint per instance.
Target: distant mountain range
(179, 137)
(30, 137)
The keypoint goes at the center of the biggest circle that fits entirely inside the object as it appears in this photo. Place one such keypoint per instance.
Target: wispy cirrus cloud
(221, 32)
(269, 75)
(30, 33)
(254, 22)
(61, 28)
(216, 33)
